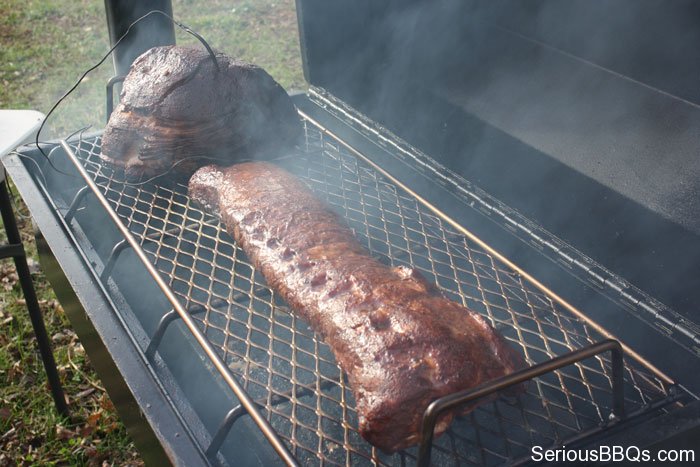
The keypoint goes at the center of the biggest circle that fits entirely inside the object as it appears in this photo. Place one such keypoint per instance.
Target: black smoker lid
(582, 115)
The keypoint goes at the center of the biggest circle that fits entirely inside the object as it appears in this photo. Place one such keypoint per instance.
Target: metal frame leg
(15, 250)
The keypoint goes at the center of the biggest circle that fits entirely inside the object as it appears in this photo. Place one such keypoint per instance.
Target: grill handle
(438, 406)
(110, 93)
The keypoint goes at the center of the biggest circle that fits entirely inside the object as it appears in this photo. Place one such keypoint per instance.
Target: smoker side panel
(162, 415)
(124, 400)
(558, 108)
(144, 411)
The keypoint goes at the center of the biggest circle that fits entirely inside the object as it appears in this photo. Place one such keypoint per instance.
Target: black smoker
(537, 161)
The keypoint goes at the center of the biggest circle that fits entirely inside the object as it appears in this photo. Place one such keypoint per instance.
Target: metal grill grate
(291, 373)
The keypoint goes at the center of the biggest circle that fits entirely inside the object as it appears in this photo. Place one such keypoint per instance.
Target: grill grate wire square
(292, 374)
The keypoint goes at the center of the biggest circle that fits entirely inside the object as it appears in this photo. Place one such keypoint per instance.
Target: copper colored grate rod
(243, 397)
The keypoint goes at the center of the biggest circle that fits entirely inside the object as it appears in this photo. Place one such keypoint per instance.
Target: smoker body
(580, 116)
(425, 154)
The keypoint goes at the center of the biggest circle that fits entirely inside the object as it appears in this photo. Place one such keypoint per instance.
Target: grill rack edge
(375, 208)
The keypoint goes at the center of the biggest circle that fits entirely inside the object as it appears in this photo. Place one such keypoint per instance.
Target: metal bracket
(113, 256)
(12, 250)
(167, 318)
(77, 199)
(218, 439)
(110, 93)
(123, 245)
(163, 324)
(451, 401)
(238, 411)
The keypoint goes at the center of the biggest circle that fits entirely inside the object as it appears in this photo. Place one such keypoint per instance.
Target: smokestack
(151, 32)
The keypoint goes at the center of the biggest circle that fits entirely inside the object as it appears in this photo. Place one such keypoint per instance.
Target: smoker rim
(441, 215)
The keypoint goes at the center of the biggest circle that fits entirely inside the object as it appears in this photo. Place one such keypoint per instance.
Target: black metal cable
(116, 44)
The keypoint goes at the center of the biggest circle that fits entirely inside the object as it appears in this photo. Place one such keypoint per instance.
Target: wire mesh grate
(292, 374)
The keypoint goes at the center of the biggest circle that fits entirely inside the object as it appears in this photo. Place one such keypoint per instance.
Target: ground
(44, 48)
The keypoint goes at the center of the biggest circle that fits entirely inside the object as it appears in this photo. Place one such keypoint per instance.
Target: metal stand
(15, 250)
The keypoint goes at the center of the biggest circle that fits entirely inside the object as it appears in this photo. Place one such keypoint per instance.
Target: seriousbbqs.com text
(611, 454)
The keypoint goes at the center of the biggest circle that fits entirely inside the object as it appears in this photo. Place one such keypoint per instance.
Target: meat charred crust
(401, 343)
(178, 112)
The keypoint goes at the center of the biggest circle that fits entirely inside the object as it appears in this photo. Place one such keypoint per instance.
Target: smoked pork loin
(400, 342)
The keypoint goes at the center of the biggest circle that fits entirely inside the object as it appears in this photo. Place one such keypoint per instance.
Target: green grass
(32, 432)
(45, 46)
